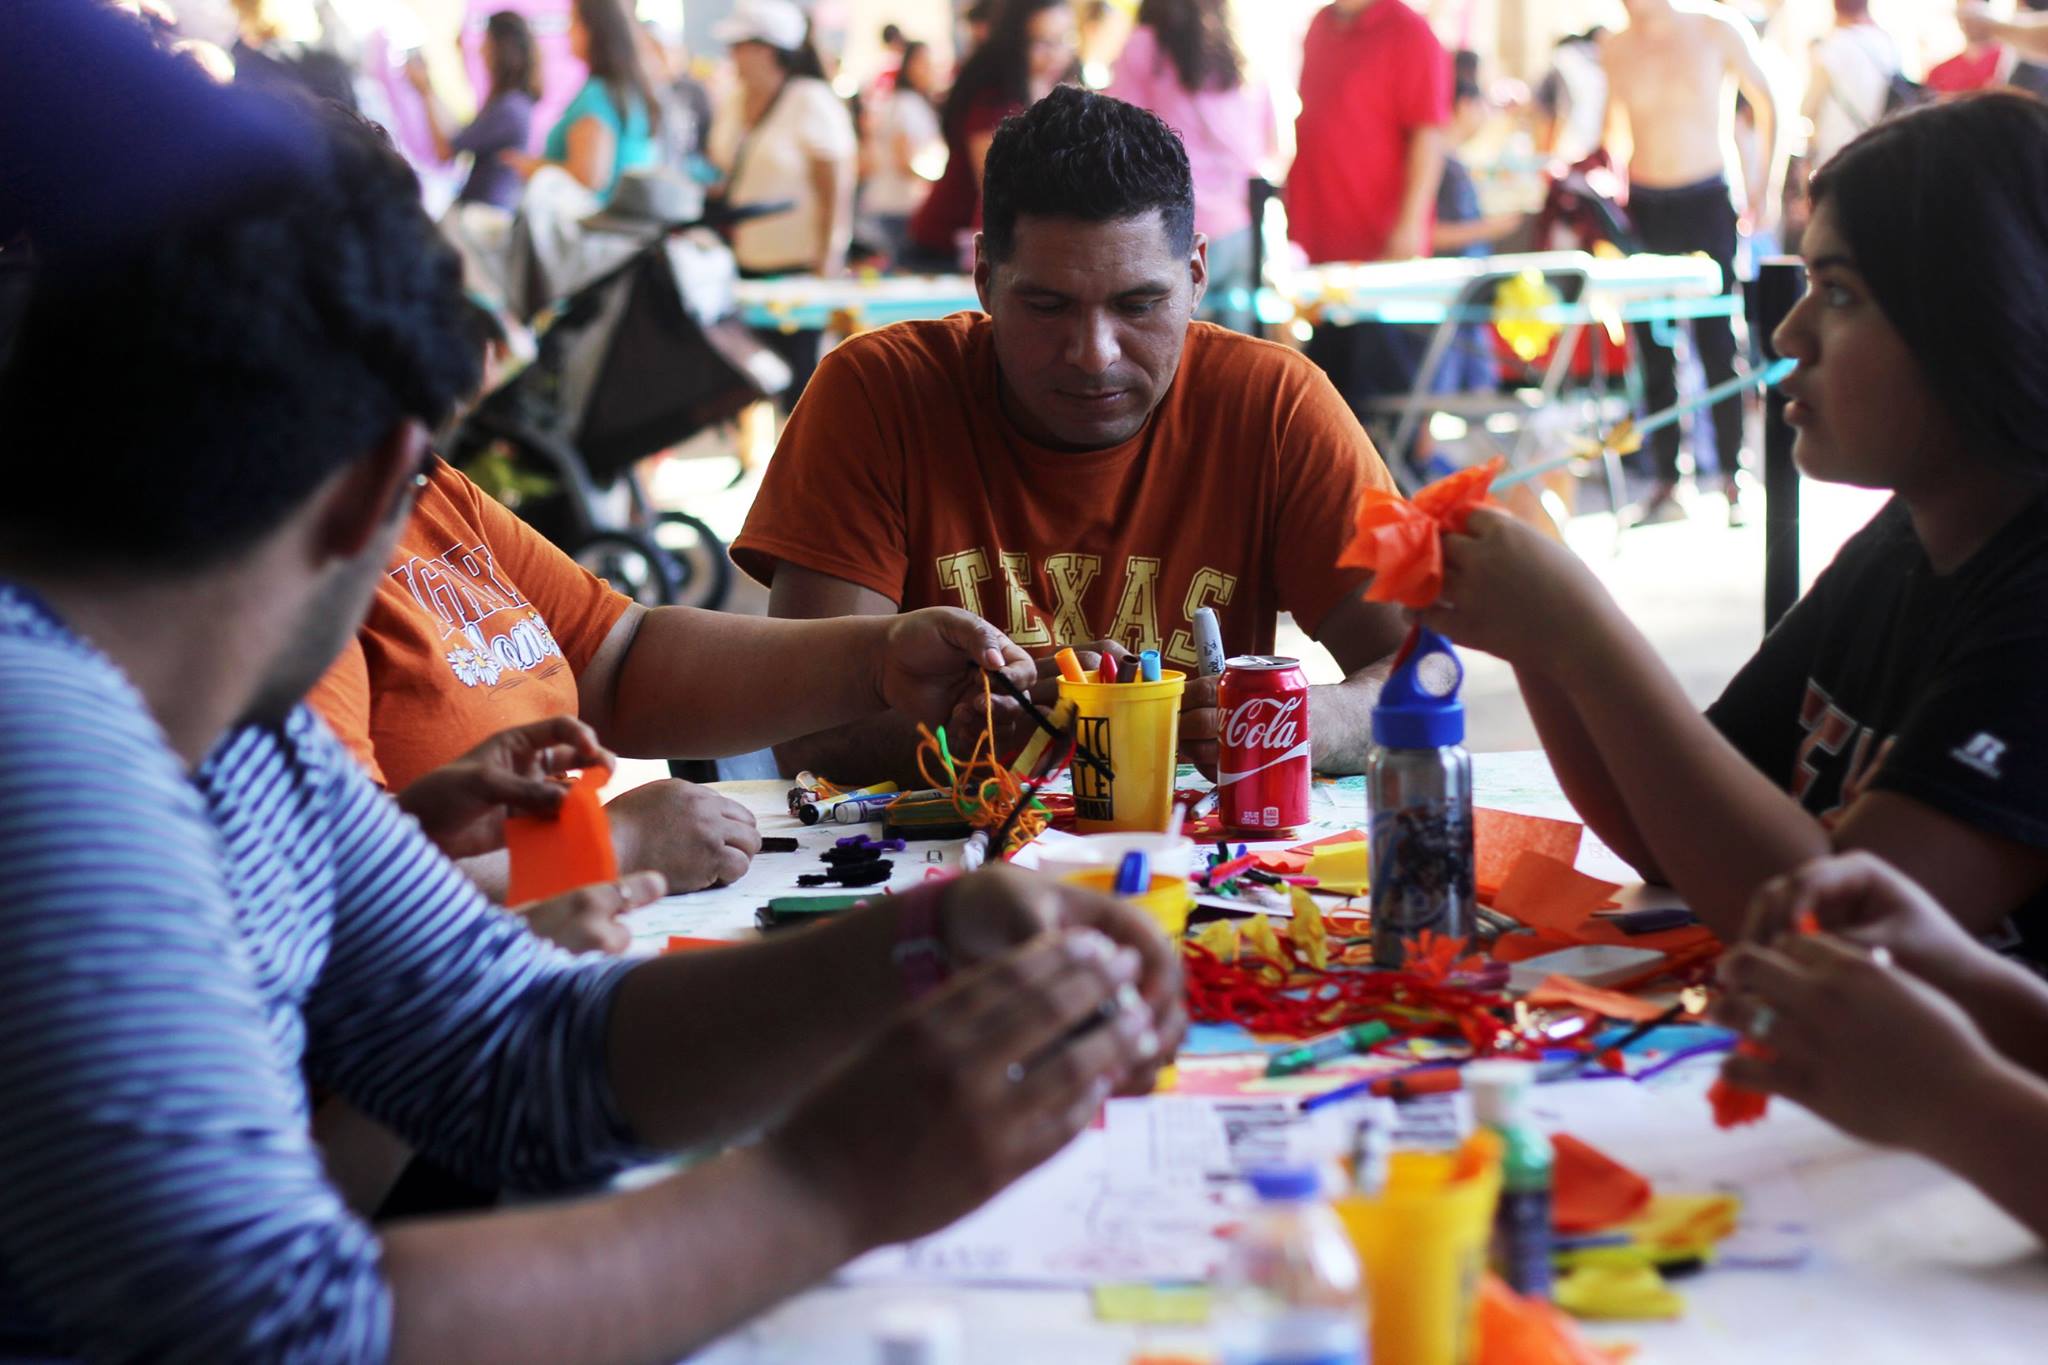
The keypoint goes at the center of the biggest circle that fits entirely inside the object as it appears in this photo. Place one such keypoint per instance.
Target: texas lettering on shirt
(994, 585)
(498, 638)
(1831, 731)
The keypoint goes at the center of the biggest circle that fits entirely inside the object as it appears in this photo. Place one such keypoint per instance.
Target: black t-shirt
(1888, 676)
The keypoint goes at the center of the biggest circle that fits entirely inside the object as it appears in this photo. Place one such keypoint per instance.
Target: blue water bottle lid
(1283, 1184)
(1420, 708)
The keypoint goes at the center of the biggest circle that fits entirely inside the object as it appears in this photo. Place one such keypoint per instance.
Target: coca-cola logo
(1263, 723)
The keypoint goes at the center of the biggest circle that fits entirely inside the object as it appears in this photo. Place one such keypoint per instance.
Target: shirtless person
(1671, 77)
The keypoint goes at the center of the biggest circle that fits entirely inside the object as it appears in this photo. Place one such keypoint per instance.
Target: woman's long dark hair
(1002, 65)
(1945, 212)
(802, 61)
(615, 57)
(1195, 35)
(515, 60)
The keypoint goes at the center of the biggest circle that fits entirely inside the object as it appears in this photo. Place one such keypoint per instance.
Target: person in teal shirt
(610, 127)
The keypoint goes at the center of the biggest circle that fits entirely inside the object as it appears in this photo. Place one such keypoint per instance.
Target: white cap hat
(778, 23)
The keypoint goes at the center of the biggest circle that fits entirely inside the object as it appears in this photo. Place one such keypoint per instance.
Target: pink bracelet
(920, 954)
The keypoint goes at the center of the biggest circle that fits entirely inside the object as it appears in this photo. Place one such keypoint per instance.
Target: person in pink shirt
(1182, 63)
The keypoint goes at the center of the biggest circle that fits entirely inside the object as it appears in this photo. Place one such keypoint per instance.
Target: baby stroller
(625, 367)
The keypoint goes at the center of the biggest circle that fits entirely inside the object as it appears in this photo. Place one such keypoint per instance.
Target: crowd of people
(268, 697)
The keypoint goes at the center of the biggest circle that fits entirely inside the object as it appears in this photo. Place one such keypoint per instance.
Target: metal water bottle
(1418, 791)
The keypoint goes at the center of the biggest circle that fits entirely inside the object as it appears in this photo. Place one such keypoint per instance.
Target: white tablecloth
(1904, 1263)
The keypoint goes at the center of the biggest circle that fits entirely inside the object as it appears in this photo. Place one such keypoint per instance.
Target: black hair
(912, 50)
(892, 34)
(615, 58)
(1001, 66)
(1079, 155)
(1195, 35)
(1945, 212)
(802, 60)
(515, 59)
(213, 377)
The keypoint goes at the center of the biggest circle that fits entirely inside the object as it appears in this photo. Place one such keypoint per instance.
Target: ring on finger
(1761, 1022)
(1014, 1073)
(1882, 956)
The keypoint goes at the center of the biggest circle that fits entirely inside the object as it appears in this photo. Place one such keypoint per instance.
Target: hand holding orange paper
(574, 849)
(1402, 541)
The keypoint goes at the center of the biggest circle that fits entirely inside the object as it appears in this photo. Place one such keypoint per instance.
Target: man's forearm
(703, 684)
(649, 1275)
(879, 748)
(1340, 721)
(709, 1046)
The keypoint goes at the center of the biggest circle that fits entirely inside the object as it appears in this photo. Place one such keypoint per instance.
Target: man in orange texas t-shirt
(481, 624)
(1084, 463)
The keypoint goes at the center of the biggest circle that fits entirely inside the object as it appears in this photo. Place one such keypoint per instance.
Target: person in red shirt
(1375, 100)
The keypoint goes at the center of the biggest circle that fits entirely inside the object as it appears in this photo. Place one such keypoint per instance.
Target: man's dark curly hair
(1085, 156)
(168, 408)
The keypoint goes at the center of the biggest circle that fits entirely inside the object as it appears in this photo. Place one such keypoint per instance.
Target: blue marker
(1148, 666)
(1134, 874)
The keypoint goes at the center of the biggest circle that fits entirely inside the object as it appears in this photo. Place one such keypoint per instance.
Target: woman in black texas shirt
(1899, 707)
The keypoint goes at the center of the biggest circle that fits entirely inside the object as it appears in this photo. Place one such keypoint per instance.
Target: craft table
(1902, 1263)
(851, 303)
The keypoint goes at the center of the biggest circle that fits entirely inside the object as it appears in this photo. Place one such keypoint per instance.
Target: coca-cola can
(1262, 772)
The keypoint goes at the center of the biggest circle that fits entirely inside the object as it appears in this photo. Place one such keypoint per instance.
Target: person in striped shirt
(204, 904)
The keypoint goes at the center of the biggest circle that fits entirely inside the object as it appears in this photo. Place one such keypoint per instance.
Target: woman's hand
(1514, 592)
(1856, 1038)
(591, 919)
(461, 806)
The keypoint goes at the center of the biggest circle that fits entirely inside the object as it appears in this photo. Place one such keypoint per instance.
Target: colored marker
(1208, 642)
(850, 810)
(1108, 673)
(1127, 669)
(1070, 665)
(1329, 1047)
(974, 851)
(1148, 665)
(1436, 1080)
(1134, 874)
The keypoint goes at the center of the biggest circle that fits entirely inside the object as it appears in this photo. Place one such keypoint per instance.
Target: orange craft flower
(1402, 541)
(1434, 957)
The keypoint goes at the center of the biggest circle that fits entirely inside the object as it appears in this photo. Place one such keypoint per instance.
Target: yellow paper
(1260, 941)
(1341, 867)
(1306, 929)
(1680, 1226)
(1636, 1293)
(1153, 1305)
(1220, 938)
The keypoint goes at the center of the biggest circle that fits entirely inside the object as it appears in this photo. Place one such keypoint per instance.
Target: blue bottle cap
(1280, 1184)
(1419, 708)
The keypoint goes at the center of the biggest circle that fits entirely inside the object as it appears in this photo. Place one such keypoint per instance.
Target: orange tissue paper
(1401, 541)
(574, 849)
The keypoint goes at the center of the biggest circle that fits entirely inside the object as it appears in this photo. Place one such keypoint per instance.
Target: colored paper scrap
(1685, 1227)
(572, 849)
(1550, 895)
(1220, 938)
(1294, 861)
(1500, 837)
(1401, 542)
(1518, 1331)
(1734, 1106)
(1616, 1292)
(678, 943)
(1563, 991)
(1152, 1305)
(1342, 867)
(1256, 937)
(1591, 1190)
(1306, 931)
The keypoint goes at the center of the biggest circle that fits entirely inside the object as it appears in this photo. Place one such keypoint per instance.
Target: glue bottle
(1522, 1236)
(1418, 793)
(1291, 1292)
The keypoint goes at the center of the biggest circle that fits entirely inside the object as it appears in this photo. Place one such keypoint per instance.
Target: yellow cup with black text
(1135, 728)
(1167, 901)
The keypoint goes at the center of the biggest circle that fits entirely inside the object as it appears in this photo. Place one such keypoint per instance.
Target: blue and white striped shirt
(178, 954)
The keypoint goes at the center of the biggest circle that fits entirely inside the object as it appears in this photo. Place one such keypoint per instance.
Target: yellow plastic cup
(1136, 728)
(1168, 900)
(1423, 1243)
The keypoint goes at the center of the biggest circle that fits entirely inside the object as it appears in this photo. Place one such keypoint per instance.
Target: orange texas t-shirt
(898, 472)
(480, 624)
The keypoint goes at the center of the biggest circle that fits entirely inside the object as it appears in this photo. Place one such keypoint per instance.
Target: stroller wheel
(633, 564)
(703, 571)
